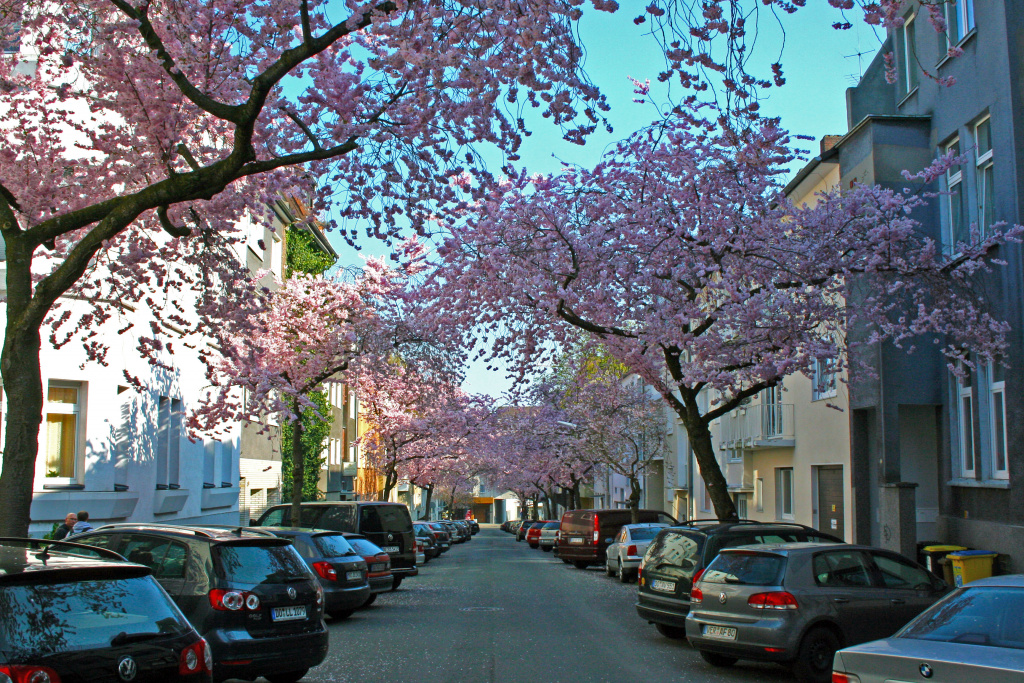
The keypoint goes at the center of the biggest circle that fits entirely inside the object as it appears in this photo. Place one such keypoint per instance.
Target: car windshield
(748, 569)
(644, 533)
(256, 564)
(333, 545)
(674, 553)
(365, 547)
(984, 615)
(48, 618)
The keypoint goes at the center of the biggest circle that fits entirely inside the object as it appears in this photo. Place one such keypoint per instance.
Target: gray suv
(797, 603)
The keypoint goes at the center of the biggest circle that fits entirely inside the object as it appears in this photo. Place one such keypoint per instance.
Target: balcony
(758, 426)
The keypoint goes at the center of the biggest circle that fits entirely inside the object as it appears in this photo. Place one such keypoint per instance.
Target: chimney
(829, 141)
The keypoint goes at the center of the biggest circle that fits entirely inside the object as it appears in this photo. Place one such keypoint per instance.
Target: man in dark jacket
(67, 527)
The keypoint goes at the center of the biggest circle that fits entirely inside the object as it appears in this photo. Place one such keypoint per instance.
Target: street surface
(496, 610)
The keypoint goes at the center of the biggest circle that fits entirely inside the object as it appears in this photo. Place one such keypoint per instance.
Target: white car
(624, 554)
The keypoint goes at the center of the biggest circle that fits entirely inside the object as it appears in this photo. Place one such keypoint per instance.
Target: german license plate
(353, 576)
(663, 586)
(390, 548)
(720, 632)
(289, 613)
(576, 539)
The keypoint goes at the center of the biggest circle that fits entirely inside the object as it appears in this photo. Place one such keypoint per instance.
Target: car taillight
(319, 596)
(640, 572)
(773, 600)
(196, 658)
(597, 529)
(696, 577)
(838, 677)
(325, 570)
(233, 601)
(631, 550)
(22, 673)
(696, 595)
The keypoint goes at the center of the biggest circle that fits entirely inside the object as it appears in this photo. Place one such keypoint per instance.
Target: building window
(10, 37)
(63, 422)
(824, 378)
(997, 420)
(705, 499)
(784, 492)
(965, 422)
(906, 56)
(959, 20)
(985, 174)
(209, 464)
(759, 494)
(955, 201)
(168, 443)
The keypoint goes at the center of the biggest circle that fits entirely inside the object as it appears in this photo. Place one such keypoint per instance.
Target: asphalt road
(493, 610)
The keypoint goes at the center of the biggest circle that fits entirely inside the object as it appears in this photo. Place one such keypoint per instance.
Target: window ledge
(946, 59)
(980, 484)
(63, 487)
(907, 97)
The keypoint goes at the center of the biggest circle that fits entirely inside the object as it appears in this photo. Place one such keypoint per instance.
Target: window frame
(823, 368)
(906, 67)
(965, 425)
(780, 494)
(984, 168)
(959, 13)
(77, 410)
(955, 185)
(998, 388)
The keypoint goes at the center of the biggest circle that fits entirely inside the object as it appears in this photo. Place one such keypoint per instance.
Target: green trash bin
(932, 556)
(971, 565)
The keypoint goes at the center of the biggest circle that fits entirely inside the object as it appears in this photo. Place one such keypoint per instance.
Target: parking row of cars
(786, 593)
(157, 602)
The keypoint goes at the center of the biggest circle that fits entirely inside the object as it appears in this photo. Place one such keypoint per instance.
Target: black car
(249, 594)
(425, 537)
(73, 614)
(389, 525)
(378, 562)
(679, 553)
(342, 571)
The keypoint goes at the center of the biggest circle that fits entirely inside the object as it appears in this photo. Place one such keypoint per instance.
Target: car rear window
(551, 525)
(675, 553)
(333, 545)
(644, 533)
(749, 569)
(48, 618)
(381, 518)
(255, 564)
(984, 615)
(734, 539)
(364, 547)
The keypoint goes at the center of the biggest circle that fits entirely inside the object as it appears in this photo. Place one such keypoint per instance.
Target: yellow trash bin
(971, 565)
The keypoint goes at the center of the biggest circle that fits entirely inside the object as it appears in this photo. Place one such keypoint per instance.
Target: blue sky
(819, 64)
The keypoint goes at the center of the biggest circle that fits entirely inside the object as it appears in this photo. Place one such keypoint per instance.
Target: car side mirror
(252, 522)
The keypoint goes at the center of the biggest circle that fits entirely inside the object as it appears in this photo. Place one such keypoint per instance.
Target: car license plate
(390, 548)
(576, 539)
(353, 576)
(289, 613)
(720, 632)
(664, 586)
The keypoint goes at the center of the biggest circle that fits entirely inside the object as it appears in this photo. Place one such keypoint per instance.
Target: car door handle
(840, 601)
(897, 601)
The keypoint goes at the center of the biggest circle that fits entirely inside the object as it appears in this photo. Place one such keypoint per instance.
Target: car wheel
(286, 677)
(608, 571)
(566, 561)
(814, 661)
(397, 583)
(721, 660)
(580, 564)
(339, 615)
(370, 600)
(623, 574)
(546, 548)
(673, 632)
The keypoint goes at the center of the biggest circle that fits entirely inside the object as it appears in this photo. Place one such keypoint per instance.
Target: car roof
(715, 526)
(792, 548)
(298, 531)
(210, 532)
(1007, 581)
(22, 557)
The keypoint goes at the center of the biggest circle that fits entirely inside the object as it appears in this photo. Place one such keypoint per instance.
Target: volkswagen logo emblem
(127, 669)
(291, 593)
(926, 670)
(722, 598)
(391, 537)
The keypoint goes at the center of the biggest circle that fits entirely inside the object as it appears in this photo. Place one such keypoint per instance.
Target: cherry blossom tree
(139, 133)
(681, 255)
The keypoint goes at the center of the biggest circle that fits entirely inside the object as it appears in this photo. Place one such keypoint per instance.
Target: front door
(830, 501)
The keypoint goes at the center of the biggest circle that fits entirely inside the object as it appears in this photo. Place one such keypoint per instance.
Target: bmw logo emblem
(127, 669)
(291, 593)
(926, 670)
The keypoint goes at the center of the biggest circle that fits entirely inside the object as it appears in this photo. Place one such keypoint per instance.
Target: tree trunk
(634, 499)
(426, 507)
(298, 465)
(718, 488)
(23, 382)
(577, 499)
(390, 481)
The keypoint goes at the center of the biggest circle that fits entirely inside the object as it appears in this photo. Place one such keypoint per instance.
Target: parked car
(586, 534)
(441, 534)
(425, 535)
(389, 525)
(458, 532)
(973, 634)
(474, 526)
(378, 563)
(74, 614)
(678, 554)
(622, 557)
(797, 603)
(467, 530)
(533, 534)
(341, 570)
(249, 594)
(548, 536)
(525, 527)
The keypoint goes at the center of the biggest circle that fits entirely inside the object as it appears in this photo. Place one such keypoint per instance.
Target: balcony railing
(759, 426)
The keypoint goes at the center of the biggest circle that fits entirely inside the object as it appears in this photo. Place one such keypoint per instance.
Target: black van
(388, 525)
(584, 535)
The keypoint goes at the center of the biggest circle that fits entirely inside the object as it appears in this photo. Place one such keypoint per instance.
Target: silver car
(974, 634)
(623, 556)
(798, 603)
(548, 536)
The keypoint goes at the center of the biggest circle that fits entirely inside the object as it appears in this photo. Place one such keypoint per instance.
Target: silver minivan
(798, 603)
